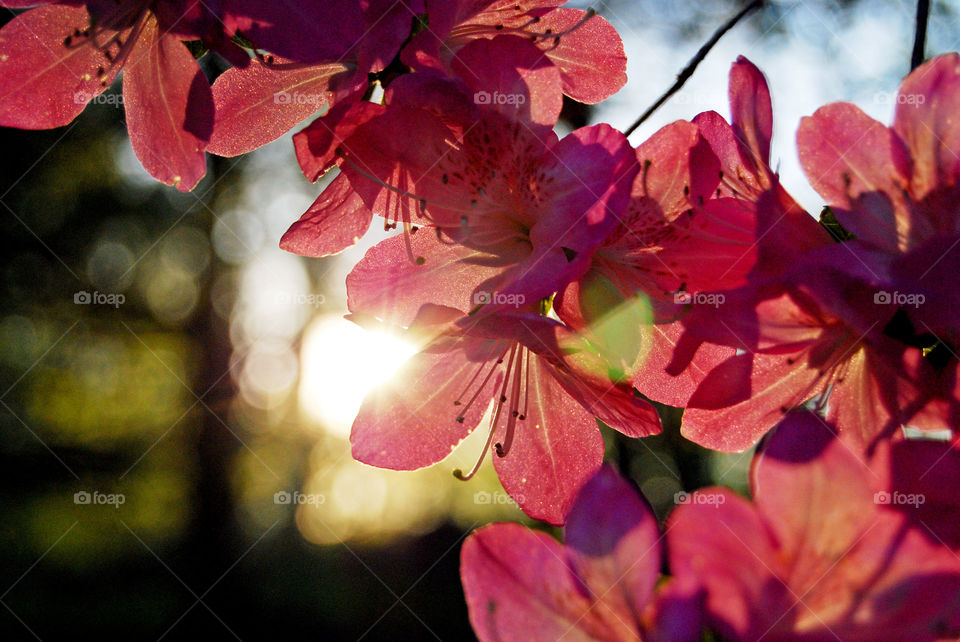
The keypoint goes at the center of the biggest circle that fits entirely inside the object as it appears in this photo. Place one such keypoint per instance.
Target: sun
(341, 363)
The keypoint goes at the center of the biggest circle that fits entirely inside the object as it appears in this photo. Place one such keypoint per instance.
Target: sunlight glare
(341, 363)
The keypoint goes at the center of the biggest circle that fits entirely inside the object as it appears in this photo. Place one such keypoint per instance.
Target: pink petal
(744, 397)
(721, 543)
(302, 30)
(411, 421)
(614, 543)
(519, 586)
(316, 144)
(812, 488)
(400, 274)
(335, 221)
(927, 106)
(752, 112)
(861, 168)
(651, 378)
(591, 59)
(512, 76)
(169, 108)
(259, 103)
(44, 83)
(553, 452)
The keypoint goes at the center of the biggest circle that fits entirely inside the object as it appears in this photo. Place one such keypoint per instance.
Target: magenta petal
(651, 377)
(614, 542)
(169, 109)
(861, 168)
(751, 109)
(259, 103)
(400, 274)
(743, 398)
(723, 545)
(520, 587)
(334, 222)
(302, 30)
(927, 106)
(556, 448)
(316, 144)
(411, 421)
(811, 487)
(591, 171)
(44, 83)
(511, 75)
(591, 59)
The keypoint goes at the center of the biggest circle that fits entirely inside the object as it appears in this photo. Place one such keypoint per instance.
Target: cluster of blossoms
(554, 282)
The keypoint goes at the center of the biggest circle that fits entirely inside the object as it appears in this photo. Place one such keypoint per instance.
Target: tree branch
(694, 62)
(920, 37)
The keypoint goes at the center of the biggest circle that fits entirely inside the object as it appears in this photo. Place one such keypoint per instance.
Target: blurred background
(176, 393)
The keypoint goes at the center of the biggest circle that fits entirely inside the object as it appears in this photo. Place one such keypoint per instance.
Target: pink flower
(259, 102)
(54, 59)
(827, 327)
(704, 196)
(546, 389)
(584, 47)
(521, 584)
(818, 555)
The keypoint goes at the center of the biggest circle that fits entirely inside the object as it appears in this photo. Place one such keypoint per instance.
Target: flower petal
(334, 222)
(169, 108)
(43, 82)
(556, 448)
(259, 103)
(411, 421)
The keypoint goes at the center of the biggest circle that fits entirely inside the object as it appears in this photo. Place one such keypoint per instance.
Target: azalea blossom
(546, 388)
(522, 584)
(258, 102)
(442, 109)
(585, 47)
(823, 329)
(817, 555)
(55, 58)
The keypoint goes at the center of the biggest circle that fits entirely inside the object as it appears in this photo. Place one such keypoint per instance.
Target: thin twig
(920, 37)
(692, 65)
